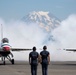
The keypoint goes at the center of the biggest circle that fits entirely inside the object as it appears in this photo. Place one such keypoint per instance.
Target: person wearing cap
(33, 61)
(44, 60)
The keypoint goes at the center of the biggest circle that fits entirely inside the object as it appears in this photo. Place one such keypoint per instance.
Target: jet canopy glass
(5, 40)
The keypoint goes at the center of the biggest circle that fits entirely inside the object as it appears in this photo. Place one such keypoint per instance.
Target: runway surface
(23, 68)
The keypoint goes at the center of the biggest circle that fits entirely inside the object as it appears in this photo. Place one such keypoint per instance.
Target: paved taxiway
(23, 68)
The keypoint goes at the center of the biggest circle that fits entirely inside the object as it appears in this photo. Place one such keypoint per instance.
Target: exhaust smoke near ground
(22, 35)
(65, 37)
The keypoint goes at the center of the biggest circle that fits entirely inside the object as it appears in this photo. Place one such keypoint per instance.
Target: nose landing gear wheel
(12, 61)
(4, 62)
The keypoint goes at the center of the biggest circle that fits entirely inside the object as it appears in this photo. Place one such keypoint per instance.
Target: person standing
(44, 60)
(33, 61)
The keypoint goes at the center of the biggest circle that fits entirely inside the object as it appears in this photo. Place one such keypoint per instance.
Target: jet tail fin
(1, 32)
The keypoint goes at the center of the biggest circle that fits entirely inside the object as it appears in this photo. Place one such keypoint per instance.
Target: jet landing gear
(3, 60)
(12, 61)
(9, 57)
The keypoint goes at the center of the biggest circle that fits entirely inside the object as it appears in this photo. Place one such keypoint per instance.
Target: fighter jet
(6, 50)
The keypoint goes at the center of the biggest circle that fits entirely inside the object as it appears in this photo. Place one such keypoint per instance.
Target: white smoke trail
(21, 35)
(66, 33)
(65, 36)
(26, 36)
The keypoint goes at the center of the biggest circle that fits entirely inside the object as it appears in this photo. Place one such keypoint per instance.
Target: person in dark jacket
(33, 61)
(44, 60)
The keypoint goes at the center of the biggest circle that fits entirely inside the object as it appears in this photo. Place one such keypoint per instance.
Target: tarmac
(23, 68)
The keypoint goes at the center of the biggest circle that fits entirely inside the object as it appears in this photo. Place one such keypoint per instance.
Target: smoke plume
(22, 35)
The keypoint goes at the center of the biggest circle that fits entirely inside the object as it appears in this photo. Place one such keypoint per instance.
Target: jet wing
(74, 50)
(20, 49)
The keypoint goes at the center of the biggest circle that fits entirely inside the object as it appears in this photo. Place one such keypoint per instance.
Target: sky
(16, 9)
